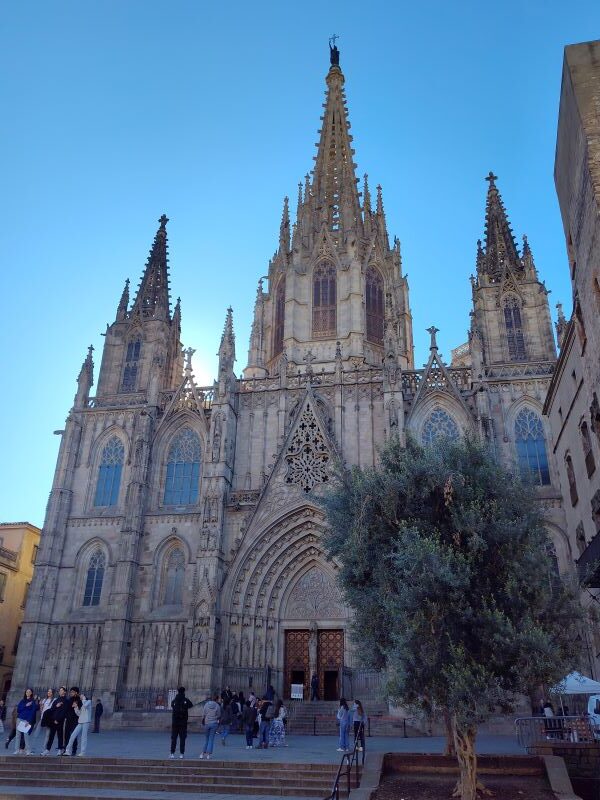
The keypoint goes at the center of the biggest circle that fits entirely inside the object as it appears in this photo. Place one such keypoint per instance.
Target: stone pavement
(300, 749)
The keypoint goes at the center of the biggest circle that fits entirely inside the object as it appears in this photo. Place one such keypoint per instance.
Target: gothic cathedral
(182, 542)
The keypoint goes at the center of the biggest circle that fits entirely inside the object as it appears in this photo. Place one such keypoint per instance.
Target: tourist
(252, 699)
(343, 718)
(277, 731)
(359, 718)
(265, 717)
(2, 715)
(57, 722)
(226, 694)
(179, 721)
(72, 717)
(13, 729)
(210, 720)
(26, 713)
(270, 693)
(249, 714)
(226, 720)
(314, 688)
(45, 716)
(84, 714)
(98, 711)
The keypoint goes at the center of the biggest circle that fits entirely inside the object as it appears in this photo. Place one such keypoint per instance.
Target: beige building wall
(19, 543)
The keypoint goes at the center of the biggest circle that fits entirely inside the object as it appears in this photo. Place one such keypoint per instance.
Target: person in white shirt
(83, 725)
(45, 705)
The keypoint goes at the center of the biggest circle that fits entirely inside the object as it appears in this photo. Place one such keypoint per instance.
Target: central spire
(500, 248)
(152, 298)
(333, 194)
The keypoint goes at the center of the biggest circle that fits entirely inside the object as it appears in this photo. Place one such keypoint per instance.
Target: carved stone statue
(334, 53)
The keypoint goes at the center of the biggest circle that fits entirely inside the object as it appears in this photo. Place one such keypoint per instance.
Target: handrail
(348, 759)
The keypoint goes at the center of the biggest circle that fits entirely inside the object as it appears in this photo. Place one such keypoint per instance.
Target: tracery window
(531, 447)
(94, 579)
(109, 473)
(514, 329)
(588, 453)
(374, 302)
(183, 469)
(324, 300)
(571, 479)
(308, 455)
(279, 318)
(130, 370)
(173, 578)
(439, 424)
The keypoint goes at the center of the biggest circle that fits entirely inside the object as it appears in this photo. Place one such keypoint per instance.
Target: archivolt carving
(315, 596)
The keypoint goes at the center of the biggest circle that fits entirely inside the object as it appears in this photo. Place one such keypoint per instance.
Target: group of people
(263, 718)
(65, 716)
(351, 716)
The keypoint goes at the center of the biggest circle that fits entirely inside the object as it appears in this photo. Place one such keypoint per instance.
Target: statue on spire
(334, 53)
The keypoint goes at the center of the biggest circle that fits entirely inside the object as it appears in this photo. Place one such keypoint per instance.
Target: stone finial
(432, 332)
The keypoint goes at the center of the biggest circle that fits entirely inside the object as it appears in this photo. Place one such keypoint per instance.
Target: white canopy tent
(576, 683)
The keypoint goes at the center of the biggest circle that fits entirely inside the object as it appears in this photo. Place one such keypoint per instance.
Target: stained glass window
(439, 424)
(94, 579)
(374, 305)
(173, 577)
(531, 447)
(183, 469)
(279, 318)
(514, 329)
(130, 370)
(324, 300)
(109, 473)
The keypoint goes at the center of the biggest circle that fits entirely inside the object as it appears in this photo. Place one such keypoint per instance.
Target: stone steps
(85, 777)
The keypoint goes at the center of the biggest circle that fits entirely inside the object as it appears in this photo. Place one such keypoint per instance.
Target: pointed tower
(329, 281)
(511, 317)
(144, 341)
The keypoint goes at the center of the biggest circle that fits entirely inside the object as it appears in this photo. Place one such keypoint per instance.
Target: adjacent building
(183, 540)
(19, 542)
(573, 402)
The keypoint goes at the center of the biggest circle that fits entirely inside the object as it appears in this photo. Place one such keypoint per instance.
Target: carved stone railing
(521, 370)
(118, 400)
(205, 395)
(244, 497)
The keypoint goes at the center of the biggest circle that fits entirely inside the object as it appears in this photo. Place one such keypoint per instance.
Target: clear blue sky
(114, 112)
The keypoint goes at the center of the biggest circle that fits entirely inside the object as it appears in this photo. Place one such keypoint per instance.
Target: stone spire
(227, 347)
(561, 324)
(284, 228)
(333, 195)
(500, 248)
(380, 212)
(256, 355)
(85, 379)
(123, 303)
(152, 299)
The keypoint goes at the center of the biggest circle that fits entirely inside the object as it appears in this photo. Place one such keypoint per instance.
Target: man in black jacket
(58, 711)
(72, 718)
(98, 711)
(179, 721)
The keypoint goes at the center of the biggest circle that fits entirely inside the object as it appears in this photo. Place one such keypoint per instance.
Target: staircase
(319, 718)
(34, 778)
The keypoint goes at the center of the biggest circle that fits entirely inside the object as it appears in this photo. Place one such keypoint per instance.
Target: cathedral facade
(183, 541)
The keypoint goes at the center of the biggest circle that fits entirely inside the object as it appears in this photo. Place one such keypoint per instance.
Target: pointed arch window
(173, 576)
(130, 370)
(531, 447)
(588, 453)
(514, 329)
(439, 425)
(94, 578)
(109, 473)
(183, 469)
(324, 319)
(374, 302)
(279, 318)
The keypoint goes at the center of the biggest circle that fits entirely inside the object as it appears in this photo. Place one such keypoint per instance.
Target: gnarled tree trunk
(449, 749)
(464, 742)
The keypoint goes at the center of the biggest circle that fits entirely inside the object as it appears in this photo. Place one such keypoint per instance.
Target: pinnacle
(500, 248)
(153, 293)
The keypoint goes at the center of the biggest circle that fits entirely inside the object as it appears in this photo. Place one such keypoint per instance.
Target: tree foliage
(444, 561)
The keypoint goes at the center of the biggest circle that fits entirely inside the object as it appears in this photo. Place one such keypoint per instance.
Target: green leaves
(444, 562)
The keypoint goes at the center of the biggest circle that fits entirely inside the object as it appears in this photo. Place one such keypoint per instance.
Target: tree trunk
(464, 742)
(450, 749)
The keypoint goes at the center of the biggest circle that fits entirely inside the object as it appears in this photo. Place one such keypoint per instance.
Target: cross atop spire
(152, 299)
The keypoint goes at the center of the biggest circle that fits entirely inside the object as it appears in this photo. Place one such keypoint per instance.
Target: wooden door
(330, 660)
(296, 659)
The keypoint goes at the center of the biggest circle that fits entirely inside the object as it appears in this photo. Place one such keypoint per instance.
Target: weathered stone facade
(182, 541)
(573, 402)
